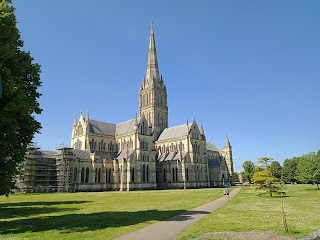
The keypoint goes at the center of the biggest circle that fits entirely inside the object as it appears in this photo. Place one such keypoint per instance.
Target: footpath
(172, 227)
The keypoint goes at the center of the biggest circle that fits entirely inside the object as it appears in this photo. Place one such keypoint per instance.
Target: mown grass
(102, 215)
(249, 211)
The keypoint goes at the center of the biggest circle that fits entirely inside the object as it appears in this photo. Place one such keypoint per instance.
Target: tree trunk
(270, 194)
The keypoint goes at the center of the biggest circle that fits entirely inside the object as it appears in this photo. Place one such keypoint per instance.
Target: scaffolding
(39, 171)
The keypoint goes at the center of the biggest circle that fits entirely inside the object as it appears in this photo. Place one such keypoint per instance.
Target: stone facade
(142, 153)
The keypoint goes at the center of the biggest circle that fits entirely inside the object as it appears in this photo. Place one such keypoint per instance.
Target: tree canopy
(264, 178)
(303, 169)
(20, 79)
(248, 167)
(276, 169)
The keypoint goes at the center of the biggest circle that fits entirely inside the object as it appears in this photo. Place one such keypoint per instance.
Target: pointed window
(82, 175)
(109, 180)
(99, 175)
(144, 173)
(87, 175)
(132, 175)
(173, 177)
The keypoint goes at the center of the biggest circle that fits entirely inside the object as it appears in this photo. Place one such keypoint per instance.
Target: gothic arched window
(82, 175)
(87, 175)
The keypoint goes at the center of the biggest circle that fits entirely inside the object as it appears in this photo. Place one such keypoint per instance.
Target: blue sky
(247, 68)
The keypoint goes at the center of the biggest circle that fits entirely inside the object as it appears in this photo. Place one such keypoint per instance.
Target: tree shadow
(25, 209)
(40, 203)
(186, 215)
(274, 195)
(84, 222)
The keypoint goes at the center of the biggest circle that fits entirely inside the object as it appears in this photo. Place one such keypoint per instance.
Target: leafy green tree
(264, 161)
(289, 170)
(308, 168)
(264, 180)
(276, 169)
(20, 79)
(248, 167)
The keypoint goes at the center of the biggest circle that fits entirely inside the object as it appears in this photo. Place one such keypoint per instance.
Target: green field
(249, 211)
(106, 215)
(103, 215)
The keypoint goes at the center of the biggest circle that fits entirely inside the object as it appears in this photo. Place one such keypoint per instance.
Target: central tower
(153, 102)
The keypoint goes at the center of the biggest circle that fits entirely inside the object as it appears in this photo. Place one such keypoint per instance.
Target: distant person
(225, 192)
(228, 191)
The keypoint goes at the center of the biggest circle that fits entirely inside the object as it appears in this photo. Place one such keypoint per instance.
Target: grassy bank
(92, 215)
(249, 211)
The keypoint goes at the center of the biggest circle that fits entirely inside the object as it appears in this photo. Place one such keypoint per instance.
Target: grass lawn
(103, 215)
(249, 211)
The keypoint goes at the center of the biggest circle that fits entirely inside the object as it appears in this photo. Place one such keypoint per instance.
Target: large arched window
(87, 175)
(78, 144)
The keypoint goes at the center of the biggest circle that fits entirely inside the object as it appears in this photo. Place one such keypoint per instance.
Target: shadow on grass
(274, 195)
(28, 204)
(187, 215)
(25, 209)
(83, 222)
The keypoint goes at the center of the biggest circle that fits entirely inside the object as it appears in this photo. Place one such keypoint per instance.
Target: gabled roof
(104, 128)
(126, 127)
(174, 132)
(81, 154)
(211, 147)
(111, 129)
(105, 155)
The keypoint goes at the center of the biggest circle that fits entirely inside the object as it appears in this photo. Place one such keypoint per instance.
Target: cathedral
(143, 152)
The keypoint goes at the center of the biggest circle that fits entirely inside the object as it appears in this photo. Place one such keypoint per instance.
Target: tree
(289, 170)
(248, 167)
(264, 161)
(263, 178)
(20, 79)
(308, 168)
(276, 169)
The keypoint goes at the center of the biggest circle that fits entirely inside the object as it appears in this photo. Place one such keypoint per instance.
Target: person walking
(225, 192)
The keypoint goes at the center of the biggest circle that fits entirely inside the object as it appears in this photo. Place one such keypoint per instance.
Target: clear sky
(247, 68)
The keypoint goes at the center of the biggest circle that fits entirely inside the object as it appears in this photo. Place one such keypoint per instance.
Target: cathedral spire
(152, 73)
(227, 141)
